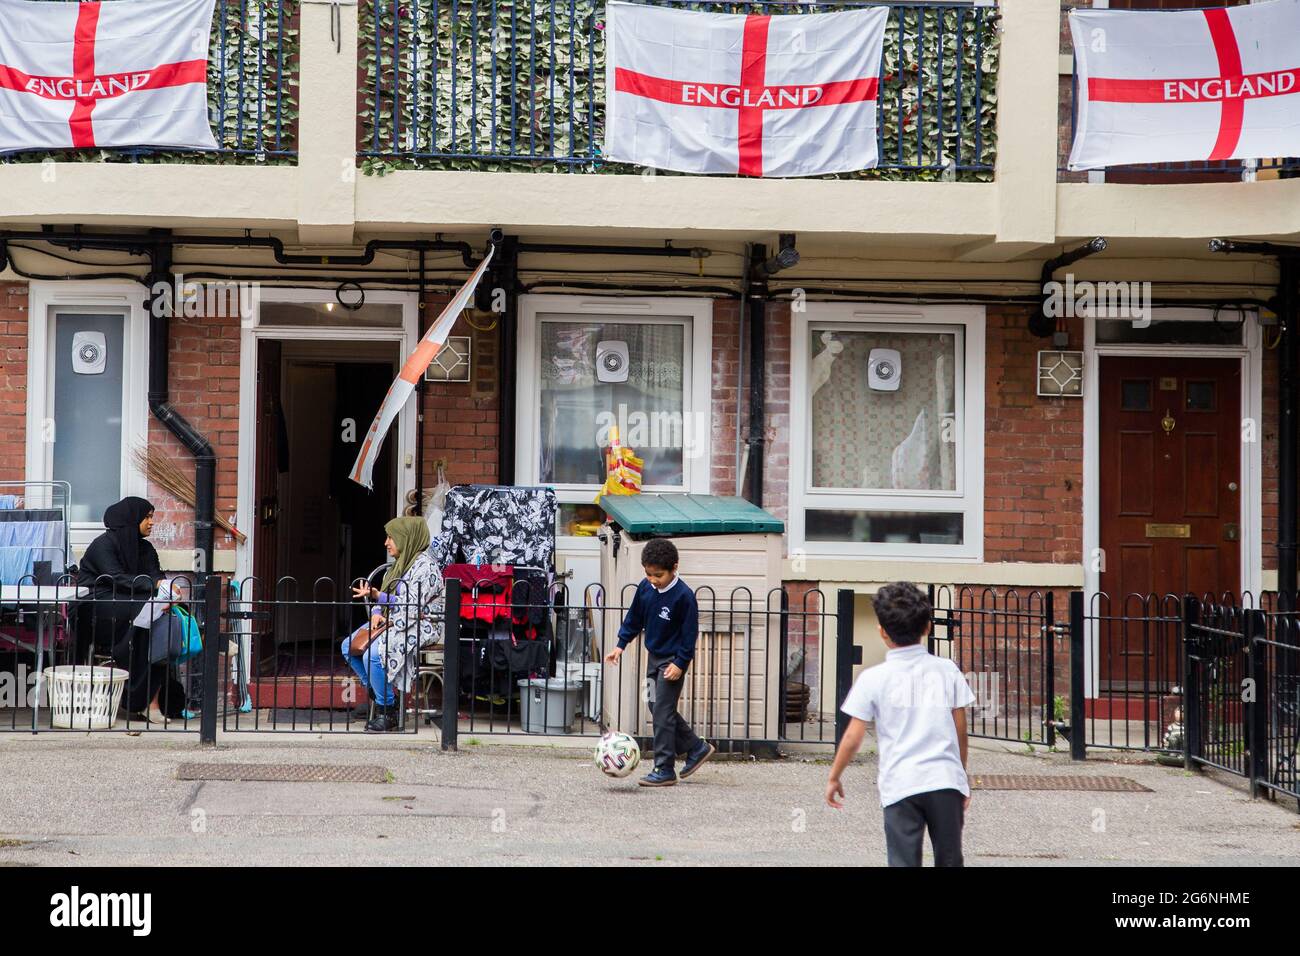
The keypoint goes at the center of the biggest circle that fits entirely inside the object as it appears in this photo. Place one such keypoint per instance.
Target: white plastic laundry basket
(84, 698)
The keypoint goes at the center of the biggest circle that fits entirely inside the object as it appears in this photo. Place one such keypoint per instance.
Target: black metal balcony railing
(252, 91)
(520, 84)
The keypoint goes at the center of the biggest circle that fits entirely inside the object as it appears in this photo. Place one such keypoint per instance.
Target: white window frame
(968, 498)
(697, 393)
(45, 300)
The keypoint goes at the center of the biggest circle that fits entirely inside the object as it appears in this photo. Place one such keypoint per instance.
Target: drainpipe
(756, 295)
(205, 460)
(1042, 324)
(1288, 412)
(504, 275)
(756, 304)
(1288, 452)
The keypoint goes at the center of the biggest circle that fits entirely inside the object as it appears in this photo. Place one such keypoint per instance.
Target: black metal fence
(1213, 682)
(1127, 670)
(520, 661)
(768, 668)
(71, 659)
(1004, 643)
(1243, 689)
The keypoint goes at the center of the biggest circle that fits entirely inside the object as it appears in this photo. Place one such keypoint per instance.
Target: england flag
(121, 73)
(750, 94)
(1176, 86)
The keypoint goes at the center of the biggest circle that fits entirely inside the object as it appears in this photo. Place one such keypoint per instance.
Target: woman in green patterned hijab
(410, 538)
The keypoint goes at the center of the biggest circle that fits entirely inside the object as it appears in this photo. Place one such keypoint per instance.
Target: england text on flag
(1176, 86)
(756, 95)
(124, 73)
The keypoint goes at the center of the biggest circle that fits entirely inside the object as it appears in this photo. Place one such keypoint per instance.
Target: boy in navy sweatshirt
(664, 607)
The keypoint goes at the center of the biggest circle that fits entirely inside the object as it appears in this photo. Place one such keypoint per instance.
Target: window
(592, 369)
(886, 431)
(87, 414)
(87, 394)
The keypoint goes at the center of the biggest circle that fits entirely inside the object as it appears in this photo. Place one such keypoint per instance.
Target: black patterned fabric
(491, 524)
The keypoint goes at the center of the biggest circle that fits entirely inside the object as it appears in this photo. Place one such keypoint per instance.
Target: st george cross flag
(121, 73)
(749, 94)
(1176, 86)
(404, 384)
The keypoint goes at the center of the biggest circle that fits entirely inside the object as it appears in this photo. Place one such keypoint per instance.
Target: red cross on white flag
(121, 73)
(1186, 85)
(755, 95)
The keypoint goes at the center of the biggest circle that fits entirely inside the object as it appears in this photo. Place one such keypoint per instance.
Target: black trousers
(942, 812)
(673, 735)
(146, 679)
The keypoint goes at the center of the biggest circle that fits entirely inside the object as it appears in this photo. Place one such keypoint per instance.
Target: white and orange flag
(409, 376)
(1166, 86)
(83, 75)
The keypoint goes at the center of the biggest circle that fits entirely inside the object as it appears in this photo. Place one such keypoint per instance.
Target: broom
(165, 473)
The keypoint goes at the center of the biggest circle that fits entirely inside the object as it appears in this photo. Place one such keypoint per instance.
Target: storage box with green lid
(730, 554)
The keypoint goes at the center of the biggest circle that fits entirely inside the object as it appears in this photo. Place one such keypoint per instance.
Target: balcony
(478, 113)
(519, 85)
(1219, 171)
(252, 92)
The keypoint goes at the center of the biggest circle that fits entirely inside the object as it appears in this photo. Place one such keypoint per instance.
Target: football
(617, 754)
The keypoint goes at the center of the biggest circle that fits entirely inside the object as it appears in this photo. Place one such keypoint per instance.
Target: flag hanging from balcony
(406, 380)
(1176, 86)
(124, 73)
(756, 95)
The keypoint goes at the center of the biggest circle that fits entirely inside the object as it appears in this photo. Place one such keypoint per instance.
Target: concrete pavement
(115, 800)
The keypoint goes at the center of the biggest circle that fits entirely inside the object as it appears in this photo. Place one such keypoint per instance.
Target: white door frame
(1250, 355)
(253, 332)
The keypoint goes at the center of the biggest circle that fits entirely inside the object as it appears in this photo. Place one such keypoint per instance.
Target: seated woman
(122, 571)
(384, 652)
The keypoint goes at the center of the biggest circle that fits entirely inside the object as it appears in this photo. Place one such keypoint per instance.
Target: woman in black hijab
(122, 571)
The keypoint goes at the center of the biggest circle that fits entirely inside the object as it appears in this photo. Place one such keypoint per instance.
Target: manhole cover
(1021, 781)
(282, 772)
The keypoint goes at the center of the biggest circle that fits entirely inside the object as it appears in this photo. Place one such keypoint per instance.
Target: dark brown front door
(1170, 470)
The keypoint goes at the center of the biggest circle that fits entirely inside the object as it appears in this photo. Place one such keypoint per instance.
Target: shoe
(384, 721)
(658, 778)
(362, 710)
(693, 760)
(188, 714)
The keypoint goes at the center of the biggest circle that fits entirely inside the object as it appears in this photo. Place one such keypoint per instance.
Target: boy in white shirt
(918, 703)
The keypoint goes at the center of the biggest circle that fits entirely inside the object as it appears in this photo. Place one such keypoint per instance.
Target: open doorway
(315, 525)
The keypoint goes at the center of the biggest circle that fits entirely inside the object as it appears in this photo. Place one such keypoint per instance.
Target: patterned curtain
(878, 439)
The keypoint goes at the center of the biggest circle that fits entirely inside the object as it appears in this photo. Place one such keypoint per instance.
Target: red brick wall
(1033, 451)
(13, 380)
(776, 451)
(203, 370)
(726, 369)
(460, 418)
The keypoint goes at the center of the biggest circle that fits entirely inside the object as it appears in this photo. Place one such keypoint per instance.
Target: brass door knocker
(1168, 423)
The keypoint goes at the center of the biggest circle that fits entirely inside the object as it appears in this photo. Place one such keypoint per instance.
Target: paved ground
(115, 800)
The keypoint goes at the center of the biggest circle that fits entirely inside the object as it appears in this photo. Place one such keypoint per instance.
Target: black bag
(166, 638)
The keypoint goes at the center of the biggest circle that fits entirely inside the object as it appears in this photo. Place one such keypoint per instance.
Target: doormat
(282, 773)
(1019, 781)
